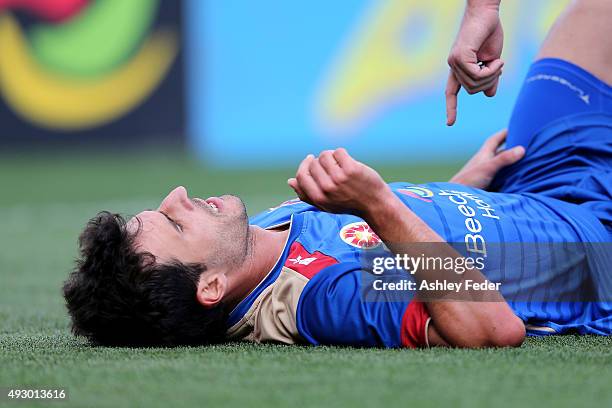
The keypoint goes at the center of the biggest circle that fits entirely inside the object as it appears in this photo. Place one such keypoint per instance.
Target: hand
(335, 182)
(479, 170)
(475, 57)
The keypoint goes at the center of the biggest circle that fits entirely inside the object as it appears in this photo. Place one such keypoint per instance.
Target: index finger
(452, 89)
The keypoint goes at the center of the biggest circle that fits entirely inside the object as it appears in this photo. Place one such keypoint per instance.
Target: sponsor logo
(465, 202)
(420, 193)
(305, 263)
(302, 261)
(360, 235)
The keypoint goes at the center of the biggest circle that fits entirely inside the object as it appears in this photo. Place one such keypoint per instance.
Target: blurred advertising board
(272, 81)
(79, 71)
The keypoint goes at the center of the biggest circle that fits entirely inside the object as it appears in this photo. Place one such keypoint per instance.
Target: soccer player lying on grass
(199, 271)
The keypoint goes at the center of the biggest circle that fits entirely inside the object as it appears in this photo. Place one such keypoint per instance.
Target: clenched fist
(335, 182)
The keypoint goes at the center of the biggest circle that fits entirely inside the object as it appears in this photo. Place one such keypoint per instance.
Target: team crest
(360, 235)
(420, 193)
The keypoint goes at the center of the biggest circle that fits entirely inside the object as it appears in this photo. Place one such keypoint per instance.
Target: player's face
(192, 230)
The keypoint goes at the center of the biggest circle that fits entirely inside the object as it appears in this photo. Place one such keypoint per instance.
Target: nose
(176, 200)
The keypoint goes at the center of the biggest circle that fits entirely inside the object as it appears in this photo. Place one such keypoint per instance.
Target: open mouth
(214, 203)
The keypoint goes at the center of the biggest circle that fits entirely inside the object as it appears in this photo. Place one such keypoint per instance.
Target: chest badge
(360, 235)
(420, 193)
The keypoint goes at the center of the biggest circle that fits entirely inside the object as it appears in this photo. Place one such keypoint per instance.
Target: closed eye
(174, 223)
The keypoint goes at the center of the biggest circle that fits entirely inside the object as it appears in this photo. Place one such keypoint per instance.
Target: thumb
(508, 157)
(293, 183)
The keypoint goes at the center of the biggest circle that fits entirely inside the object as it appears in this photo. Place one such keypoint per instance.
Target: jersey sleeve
(331, 311)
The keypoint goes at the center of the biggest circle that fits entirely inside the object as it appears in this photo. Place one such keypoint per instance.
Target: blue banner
(270, 82)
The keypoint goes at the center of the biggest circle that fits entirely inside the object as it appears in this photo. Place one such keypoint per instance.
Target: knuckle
(327, 187)
(318, 198)
(350, 171)
(340, 177)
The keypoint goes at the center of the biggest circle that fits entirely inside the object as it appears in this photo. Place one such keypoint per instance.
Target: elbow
(509, 332)
(499, 327)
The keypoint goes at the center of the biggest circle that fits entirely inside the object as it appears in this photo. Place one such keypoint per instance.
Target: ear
(211, 288)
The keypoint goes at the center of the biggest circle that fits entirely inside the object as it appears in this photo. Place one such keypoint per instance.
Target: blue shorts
(563, 118)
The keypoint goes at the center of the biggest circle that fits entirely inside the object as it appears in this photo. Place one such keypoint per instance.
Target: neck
(265, 248)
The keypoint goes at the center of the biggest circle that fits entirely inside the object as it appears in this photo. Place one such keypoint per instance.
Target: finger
(331, 166)
(321, 177)
(302, 170)
(474, 86)
(309, 188)
(492, 143)
(452, 89)
(484, 86)
(508, 157)
(478, 72)
(305, 164)
(328, 161)
(493, 90)
(343, 159)
(463, 78)
(293, 183)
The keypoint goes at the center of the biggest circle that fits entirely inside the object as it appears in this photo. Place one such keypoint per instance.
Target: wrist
(383, 210)
(483, 4)
(457, 180)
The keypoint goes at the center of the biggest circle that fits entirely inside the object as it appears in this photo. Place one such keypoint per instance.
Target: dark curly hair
(118, 297)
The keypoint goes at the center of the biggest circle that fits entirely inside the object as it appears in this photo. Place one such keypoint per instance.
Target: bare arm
(489, 321)
(336, 182)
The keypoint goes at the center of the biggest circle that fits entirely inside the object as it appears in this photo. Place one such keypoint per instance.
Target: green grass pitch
(45, 202)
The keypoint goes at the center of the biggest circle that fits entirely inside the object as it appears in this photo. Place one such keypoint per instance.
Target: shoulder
(332, 310)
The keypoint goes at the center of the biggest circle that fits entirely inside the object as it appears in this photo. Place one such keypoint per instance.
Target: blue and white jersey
(314, 294)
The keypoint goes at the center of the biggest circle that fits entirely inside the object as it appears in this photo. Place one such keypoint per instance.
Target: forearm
(465, 323)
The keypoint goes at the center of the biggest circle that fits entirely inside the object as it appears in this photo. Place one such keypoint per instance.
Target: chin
(234, 204)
